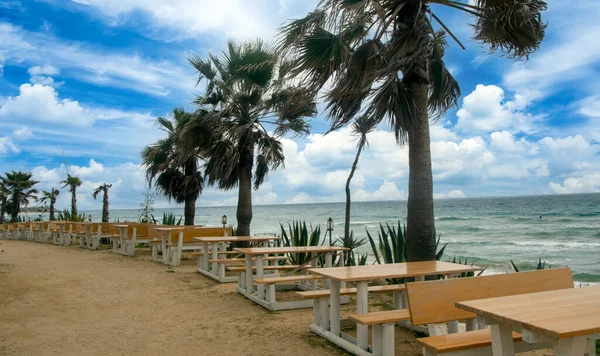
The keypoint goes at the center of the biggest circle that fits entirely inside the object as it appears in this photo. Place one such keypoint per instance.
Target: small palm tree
(384, 59)
(4, 194)
(361, 127)
(104, 189)
(20, 188)
(50, 197)
(73, 183)
(245, 90)
(174, 169)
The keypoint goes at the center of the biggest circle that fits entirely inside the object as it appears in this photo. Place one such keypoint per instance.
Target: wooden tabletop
(559, 314)
(295, 249)
(235, 238)
(393, 270)
(121, 226)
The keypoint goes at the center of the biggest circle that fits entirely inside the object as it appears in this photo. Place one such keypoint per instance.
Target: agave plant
(466, 263)
(352, 243)
(300, 236)
(66, 215)
(392, 246)
(168, 219)
(540, 265)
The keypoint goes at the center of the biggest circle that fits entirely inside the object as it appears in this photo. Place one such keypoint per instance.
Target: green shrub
(540, 265)
(352, 243)
(168, 219)
(300, 236)
(65, 215)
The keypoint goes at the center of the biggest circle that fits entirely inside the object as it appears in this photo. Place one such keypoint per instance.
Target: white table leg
(205, 256)
(313, 284)
(573, 346)
(502, 341)
(362, 307)
(334, 302)
(249, 274)
(260, 274)
(328, 263)
(215, 255)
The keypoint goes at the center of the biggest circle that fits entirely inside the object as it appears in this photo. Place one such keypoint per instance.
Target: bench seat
(461, 341)
(243, 260)
(266, 268)
(286, 279)
(200, 253)
(323, 293)
(381, 317)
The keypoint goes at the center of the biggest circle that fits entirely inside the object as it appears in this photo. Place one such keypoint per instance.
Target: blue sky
(82, 82)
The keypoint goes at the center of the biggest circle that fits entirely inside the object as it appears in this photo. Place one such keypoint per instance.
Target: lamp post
(330, 229)
(90, 218)
(224, 220)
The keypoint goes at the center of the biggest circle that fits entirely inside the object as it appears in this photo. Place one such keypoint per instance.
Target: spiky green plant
(540, 265)
(299, 235)
(66, 215)
(466, 263)
(352, 243)
(168, 219)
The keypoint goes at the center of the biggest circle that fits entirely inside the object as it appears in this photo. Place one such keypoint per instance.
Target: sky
(83, 81)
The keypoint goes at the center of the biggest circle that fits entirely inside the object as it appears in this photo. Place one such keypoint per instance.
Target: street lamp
(224, 220)
(330, 229)
(90, 218)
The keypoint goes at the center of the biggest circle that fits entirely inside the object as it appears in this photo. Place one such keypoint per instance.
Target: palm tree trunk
(190, 210)
(420, 223)
(52, 201)
(244, 208)
(73, 203)
(105, 207)
(16, 206)
(348, 202)
(3, 210)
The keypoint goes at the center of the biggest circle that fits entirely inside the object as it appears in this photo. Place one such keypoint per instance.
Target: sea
(559, 230)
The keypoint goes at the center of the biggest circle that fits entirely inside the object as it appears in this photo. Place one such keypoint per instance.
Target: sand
(57, 300)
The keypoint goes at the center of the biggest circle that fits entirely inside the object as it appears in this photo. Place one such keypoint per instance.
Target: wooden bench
(432, 303)
(184, 240)
(266, 268)
(243, 260)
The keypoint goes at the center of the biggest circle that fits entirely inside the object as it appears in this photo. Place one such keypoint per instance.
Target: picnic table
(214, 245)
(362, 276)
(165, 238)
(85, 241)
(63, 237)
(567, 318)
(255, 257)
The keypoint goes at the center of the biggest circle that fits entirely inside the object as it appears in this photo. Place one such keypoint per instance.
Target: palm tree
(51, 198)
(4, 193)
(73, 183)
(361, 127)
(384, 59)
(246, 89)
(104, 189)
(19, 186)
(174, 169)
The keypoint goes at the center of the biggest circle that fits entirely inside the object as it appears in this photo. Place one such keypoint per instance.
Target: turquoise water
(487, 231)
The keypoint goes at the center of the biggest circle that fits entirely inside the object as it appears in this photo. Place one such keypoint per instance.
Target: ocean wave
(569, 244)
(450, 218)
(587, 215)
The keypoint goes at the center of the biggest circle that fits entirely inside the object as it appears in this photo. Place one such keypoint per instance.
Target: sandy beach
(57, 300)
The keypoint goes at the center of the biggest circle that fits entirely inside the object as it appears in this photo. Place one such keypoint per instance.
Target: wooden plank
(293, 249)
(559, 314)
(243, 260)
(322, 293)
(213, 239)
(381, 317)
(266, 268)
(394, 270)
(286, 279)
(220, 253)
(461, 341)
(434, 302)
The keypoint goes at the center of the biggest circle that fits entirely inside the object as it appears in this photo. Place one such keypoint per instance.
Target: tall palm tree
(175, 170)
(104, 189)
(384, 59)
(73, 182)
(361, 127)
(20, 188)
(4, 194)
(246, 89)
(50, 197)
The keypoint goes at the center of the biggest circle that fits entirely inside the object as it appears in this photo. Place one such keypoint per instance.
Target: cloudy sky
(82, 82)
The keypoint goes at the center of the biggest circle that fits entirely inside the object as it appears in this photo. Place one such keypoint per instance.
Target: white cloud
(584, 184)
(387, 191)
(7, 145)
(22, 133)
(189, 18)
(42, 74)
(486, 110)
(450, 195)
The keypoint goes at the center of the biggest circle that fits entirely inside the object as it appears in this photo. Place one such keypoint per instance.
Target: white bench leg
(221, 270)
(471, 324)
(591, 347)
(377, 342)
(324, 313)
(387, 338)
(270, 292)
(154, 248)
(242, 280)
(398, 300)
(453, 327)
(362, 307)
(260, 274)
(249, 275)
